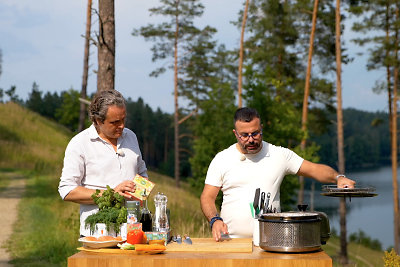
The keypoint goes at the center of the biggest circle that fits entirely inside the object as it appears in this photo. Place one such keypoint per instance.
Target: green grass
(47, 228)
(4, 179)
(29, 141)
(34, 146)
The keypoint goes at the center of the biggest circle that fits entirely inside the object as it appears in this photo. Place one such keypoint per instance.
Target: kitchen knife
(262, 201)
(256, 201)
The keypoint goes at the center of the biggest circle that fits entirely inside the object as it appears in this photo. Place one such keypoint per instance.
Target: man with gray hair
(104, 154)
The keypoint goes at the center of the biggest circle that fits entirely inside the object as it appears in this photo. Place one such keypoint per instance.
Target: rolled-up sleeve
(73, 170)
(142, 170)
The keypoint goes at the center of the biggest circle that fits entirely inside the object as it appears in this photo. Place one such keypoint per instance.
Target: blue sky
(41, 41)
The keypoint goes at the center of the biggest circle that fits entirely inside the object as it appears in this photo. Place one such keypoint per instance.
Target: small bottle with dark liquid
(145, 217)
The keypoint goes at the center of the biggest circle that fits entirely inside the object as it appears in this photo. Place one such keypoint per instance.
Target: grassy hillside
(29, 141)
(35, 146)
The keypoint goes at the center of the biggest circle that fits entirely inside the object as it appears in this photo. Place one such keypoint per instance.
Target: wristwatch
(340, 175)
(215, 218)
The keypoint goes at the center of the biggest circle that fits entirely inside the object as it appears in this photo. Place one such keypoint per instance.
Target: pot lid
(289, 216)
(334, 191)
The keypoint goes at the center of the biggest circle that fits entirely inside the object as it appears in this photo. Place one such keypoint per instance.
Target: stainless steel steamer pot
(293, 231)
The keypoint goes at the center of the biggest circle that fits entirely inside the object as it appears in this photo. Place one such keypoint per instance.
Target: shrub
(391, 259)
(363, 239)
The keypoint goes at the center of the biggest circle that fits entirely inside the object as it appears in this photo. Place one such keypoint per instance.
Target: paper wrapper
(142, 184)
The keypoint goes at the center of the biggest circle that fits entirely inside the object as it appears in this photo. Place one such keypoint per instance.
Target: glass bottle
(133, 209)
(145, 216)
(160, 222)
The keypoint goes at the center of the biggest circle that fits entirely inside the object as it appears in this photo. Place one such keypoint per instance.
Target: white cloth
(239, 175)
(93, 163)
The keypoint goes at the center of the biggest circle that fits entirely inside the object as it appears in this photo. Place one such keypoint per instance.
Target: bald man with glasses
(249, 164)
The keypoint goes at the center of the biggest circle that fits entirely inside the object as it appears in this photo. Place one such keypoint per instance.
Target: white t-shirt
(239, 175)
(92, 162)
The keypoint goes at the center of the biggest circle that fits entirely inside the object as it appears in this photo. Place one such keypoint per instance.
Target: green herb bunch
(112, 211)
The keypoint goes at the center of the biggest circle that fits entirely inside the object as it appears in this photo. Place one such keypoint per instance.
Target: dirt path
(9, 199)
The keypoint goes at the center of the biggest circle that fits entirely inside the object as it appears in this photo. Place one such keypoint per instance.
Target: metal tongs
(266, 206)
(261, 203)
(178, 239)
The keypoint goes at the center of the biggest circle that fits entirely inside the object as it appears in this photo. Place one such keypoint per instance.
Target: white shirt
(92, 162)
(239, 175)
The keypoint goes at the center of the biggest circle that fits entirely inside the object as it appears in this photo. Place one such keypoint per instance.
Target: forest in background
(366, 136)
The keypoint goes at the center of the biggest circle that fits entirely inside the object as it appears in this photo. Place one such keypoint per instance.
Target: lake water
(372, 215)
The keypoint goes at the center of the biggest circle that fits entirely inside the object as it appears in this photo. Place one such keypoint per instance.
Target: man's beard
(251, 147)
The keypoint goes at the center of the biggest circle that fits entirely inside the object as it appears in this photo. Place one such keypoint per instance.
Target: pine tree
(278, 37)
(213, 125)
(172, 41)
(35, 101)
(82, 113)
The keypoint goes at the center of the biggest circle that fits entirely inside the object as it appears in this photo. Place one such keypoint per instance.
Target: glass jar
(133, 210)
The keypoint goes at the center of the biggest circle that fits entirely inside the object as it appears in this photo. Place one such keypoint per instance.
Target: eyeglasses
(246, 136)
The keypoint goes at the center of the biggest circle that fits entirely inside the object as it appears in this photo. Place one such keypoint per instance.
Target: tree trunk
(176, 114)
(390, 100)
(82, 112)
(241, 54)
(300, 199)
(106, 46)
(394, 144)
(388, 75)
(341, 160)
(394, 166)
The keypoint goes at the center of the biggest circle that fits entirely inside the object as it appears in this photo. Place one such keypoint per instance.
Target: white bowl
(100, 244)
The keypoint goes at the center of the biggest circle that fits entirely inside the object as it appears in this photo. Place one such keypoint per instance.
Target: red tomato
(135, 237)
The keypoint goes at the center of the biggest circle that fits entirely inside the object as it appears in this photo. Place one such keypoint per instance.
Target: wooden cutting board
(244, 245)
(209, 245)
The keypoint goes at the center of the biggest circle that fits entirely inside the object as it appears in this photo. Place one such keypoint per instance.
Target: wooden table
(256, 258)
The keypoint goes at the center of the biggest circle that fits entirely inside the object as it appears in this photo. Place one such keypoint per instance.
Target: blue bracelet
(213, 219)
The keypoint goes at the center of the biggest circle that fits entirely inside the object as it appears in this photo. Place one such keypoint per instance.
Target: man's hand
(218, 228)
(125, 187)
(344, 182)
